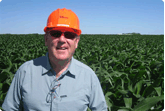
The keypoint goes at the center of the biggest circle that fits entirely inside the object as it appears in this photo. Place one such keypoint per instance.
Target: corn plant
(130, 67)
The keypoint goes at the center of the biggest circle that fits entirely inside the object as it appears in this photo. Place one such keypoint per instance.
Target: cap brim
(78, 32)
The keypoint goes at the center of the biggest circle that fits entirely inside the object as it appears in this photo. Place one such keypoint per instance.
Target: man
(57, 81)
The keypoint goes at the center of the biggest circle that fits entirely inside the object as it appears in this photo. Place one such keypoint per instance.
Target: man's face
(61, 48)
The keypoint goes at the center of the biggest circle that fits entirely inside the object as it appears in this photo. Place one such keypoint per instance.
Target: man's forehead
(63, 29)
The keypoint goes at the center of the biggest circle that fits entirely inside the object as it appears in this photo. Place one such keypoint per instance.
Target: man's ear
(77, 41)
(46, 38)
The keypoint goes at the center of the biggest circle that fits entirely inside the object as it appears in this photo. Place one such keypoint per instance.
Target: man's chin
(62, 58)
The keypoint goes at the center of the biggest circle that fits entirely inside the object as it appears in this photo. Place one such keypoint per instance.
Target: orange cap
(63, 19)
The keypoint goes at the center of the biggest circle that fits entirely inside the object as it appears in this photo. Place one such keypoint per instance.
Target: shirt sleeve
(13, 97)
(97, 98)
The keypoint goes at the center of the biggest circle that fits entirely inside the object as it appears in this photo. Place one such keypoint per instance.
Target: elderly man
(57, 81)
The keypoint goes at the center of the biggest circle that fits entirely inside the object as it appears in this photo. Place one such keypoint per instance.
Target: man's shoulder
(85, 71)
(34, 62)
(83, 66)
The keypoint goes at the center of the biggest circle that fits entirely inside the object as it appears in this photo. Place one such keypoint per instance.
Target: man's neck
(59, 66)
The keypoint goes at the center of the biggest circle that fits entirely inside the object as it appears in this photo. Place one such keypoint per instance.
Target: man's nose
(62, 38)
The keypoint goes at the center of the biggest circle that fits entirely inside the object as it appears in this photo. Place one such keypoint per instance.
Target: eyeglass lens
(68, 35)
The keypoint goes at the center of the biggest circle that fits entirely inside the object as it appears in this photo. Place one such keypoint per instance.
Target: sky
(95, 16)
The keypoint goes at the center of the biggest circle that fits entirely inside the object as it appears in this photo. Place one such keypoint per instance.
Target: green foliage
(130, 67)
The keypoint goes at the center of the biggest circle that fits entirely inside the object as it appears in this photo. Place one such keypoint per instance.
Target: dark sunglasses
(68, 35)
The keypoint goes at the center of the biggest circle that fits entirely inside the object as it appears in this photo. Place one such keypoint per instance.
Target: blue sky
(95, 16)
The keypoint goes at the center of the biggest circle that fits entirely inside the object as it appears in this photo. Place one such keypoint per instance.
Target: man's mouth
(61, 48)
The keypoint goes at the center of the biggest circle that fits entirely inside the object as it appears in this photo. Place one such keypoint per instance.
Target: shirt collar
(70, 71)
(47, 65)
(71, 68)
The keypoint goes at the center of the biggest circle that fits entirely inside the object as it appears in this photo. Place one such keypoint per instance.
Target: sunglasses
(68, 35)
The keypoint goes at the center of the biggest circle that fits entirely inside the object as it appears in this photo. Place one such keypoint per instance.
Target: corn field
(130, 67)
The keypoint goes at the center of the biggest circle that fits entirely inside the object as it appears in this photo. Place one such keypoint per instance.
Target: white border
(164, 44)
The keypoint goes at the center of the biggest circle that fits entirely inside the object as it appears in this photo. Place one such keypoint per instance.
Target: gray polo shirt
(35, 84)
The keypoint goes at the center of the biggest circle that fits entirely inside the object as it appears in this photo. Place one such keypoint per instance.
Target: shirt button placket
(56, 99)
(55, 103)
(54, 106)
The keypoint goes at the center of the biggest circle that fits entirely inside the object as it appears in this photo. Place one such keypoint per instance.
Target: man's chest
(66, 94)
